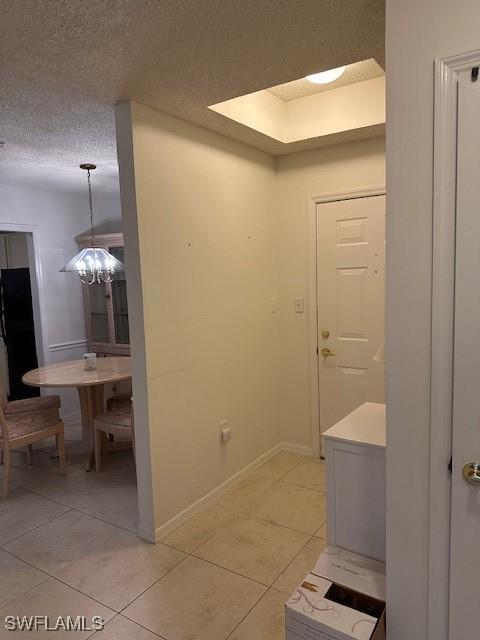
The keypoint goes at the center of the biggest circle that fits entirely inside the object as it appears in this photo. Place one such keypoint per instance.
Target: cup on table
(90, 360)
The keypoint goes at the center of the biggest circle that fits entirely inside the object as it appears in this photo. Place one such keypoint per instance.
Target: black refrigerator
(17, 329)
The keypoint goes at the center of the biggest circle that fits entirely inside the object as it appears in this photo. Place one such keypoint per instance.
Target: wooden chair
(49, 405)
(22, 430)
(116, 401)
(28, 405)
(119, 400)
(116, 422)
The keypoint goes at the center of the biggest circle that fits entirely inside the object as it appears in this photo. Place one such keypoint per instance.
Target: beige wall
(222, 229)
(300, 176)
(208, 257)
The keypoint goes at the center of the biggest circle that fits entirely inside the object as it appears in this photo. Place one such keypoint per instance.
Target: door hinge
(317, 349)
(450, 465)
(474, 74)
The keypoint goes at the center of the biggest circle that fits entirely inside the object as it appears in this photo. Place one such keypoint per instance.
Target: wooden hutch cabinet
(106, 310)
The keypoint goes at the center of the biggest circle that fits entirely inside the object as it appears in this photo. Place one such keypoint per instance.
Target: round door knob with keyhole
(326, 352)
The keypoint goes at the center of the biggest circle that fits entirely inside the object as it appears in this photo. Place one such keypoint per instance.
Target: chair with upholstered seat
(117, 422)
(49, 405)
(22, 429)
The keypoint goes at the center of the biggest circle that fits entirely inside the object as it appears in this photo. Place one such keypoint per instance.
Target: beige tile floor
(68, 547)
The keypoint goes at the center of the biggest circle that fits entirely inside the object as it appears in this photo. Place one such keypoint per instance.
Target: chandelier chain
(90, 202)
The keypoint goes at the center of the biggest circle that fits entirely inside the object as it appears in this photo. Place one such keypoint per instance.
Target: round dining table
(90, 386)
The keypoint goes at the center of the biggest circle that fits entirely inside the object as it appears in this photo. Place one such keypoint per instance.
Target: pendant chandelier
(93, 264)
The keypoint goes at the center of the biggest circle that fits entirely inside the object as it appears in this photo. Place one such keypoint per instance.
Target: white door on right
(351, 304)
(465, 498)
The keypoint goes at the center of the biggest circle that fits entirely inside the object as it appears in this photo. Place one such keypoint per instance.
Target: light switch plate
(299, 305)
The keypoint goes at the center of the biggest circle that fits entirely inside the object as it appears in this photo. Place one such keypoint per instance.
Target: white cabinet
(355, 457)
(106, 309)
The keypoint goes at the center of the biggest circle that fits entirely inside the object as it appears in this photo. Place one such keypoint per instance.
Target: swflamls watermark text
(48, 623)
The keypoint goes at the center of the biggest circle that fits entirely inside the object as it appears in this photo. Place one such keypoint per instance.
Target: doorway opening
(18, 324)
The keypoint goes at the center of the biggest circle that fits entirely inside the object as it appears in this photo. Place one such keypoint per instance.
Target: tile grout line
(301, 486)
(236, 573)
(69, 586)
(120, 526)
(41, 495)
(283, 526)
(110, 538)
(47, 577)
(68, 509)
(98, 495)
(152, 585)
(252, 608)
(246, 614)
(294, 467)
(51, 577)
(270, 588)
(293, 560)
(3, 545)
(48, 470)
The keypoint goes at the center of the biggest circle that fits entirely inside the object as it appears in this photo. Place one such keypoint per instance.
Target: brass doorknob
(471, 473)
(326, 353)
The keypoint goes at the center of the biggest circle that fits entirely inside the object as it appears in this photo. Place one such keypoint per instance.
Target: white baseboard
(170, 525)
(297, 448)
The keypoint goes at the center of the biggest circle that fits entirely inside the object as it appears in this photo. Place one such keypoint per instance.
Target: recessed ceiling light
(326, 76)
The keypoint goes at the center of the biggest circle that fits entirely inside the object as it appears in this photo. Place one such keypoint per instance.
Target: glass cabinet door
(119, 301)
(98, 313)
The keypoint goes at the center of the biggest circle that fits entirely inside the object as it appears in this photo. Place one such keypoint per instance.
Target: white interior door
(351, 301)
(465, 500)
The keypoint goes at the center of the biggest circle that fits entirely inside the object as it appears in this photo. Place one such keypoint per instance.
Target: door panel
(352, 295)
(465, 523)
(350, 281)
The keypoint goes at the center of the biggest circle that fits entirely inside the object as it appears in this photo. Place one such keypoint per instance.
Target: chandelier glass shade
(94, 264)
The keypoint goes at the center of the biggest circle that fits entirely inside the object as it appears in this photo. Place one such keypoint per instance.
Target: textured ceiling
(364, 70)
(64, 64)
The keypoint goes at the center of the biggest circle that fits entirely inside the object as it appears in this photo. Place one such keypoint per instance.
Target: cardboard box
(352, 570)
(342, 599)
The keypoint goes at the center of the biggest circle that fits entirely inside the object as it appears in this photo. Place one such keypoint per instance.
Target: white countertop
(365, 425)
